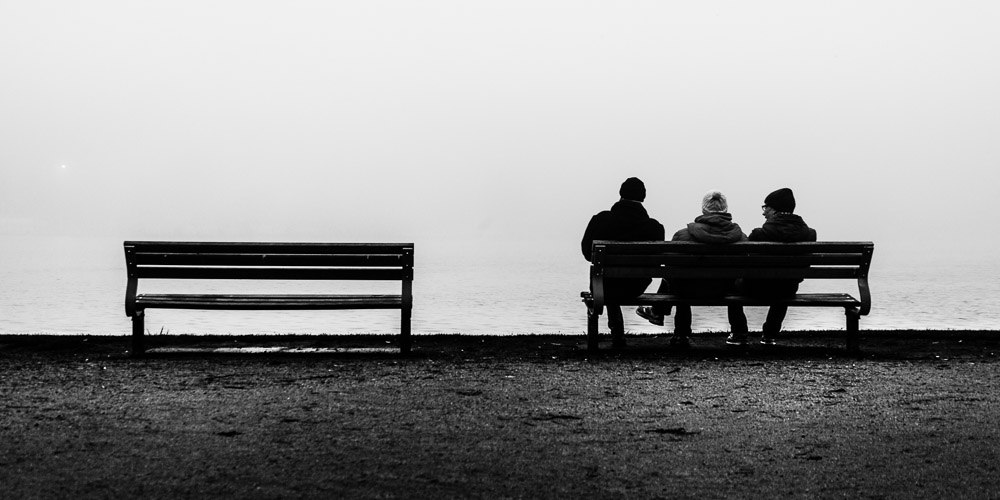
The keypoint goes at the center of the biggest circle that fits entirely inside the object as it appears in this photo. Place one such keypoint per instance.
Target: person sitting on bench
(626, 221)
(782, 226)
(714, 226)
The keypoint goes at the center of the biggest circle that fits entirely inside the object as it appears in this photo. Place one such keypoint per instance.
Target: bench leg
(853, 341)
(404, 331)
(592, 320)
(138, 334)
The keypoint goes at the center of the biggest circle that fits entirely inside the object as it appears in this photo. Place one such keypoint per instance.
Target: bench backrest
(268, 261)
(676, 259)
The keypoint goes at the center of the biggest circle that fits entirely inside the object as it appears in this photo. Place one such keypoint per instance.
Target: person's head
(714, 202)
(633, 189)
(780, 201)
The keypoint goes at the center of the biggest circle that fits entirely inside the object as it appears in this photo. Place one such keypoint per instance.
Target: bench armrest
(866, 296)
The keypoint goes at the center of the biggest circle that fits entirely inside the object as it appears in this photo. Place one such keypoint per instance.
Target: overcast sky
(489, 121)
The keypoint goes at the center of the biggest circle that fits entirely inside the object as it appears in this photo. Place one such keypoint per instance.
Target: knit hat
(781, 200)
(714, 201)
(633, 189)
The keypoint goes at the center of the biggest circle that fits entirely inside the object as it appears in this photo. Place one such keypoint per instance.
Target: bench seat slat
(272, 273)
(269, 247)
(267, 302)
(800, 300)
(733, 272)
(661, 247)
(680, 259)
(266, 259)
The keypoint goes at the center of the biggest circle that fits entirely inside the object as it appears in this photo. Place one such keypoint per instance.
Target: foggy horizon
(516, 121)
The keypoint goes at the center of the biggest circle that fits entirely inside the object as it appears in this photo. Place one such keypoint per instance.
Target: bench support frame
(138, 333)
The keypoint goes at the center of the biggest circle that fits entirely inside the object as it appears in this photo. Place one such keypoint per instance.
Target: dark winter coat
(626, 221)
(712, 229)
(782, 228)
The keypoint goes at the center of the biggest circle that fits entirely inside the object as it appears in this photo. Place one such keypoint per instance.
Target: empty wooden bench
(758, 260)
(177, 260)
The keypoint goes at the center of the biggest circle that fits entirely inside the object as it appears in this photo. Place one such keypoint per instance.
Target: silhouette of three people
(627, 220)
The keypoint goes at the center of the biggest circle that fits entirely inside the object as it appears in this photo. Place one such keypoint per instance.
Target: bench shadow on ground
(929, 346)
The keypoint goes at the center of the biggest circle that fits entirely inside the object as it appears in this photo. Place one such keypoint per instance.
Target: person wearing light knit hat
(714, 226)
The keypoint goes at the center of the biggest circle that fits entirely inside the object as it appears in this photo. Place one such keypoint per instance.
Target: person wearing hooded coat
(714, 227)
(627, 220)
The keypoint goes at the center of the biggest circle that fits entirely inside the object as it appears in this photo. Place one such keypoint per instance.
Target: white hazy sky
(488, 121)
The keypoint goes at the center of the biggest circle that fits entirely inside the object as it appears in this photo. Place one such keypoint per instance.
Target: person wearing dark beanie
(782, 200)
(627, 220)
(782, 226)
(633, 189)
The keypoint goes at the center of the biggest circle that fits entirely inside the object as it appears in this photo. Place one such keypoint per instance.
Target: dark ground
(914, 416)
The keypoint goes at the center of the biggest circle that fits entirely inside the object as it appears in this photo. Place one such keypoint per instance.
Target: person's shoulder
(603, 214)
(758, 234)
(682, 234)
(808, 233)
(598, 222)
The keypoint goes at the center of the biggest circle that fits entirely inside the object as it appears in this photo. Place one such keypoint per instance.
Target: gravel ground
(913, 416)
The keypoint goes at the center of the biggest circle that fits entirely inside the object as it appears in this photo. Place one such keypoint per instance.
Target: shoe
(647, 313)
(736, 339)
(680, 342)
(768, 339)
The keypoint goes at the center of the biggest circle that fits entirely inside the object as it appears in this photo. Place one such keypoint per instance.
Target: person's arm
(588, 239)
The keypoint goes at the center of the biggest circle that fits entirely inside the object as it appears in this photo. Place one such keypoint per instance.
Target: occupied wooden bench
(759, 260)
(177, 260)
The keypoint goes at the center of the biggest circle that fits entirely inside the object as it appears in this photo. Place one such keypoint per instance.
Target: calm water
(77, 286)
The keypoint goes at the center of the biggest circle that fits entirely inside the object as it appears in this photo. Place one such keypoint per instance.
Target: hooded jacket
(716, 228)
